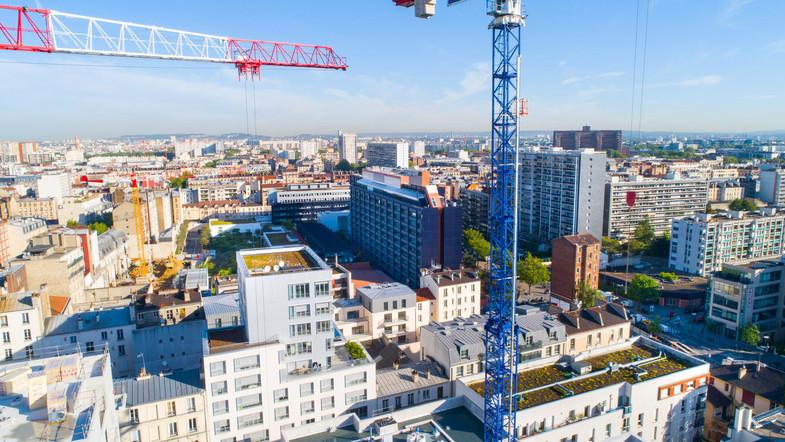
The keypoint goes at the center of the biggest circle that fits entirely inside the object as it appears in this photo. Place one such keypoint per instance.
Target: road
(192, 244)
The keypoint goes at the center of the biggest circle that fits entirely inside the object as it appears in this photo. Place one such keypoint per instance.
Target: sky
(710, 66)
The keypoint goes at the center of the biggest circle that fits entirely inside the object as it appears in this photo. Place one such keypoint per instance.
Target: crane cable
(255, 130)
(634, 68)
(643, 70)
(247, 122)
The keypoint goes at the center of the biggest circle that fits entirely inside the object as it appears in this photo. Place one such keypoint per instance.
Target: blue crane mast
(501, 343)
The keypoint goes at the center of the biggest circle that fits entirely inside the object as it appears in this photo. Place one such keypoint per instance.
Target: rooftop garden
(531, 381)
(297, 259)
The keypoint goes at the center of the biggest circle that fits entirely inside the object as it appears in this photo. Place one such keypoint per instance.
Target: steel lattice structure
(501, 334)
(45, 30)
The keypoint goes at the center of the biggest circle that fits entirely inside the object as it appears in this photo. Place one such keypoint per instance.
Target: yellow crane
(142, 267)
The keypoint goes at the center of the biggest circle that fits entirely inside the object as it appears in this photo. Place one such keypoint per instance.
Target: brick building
(574, 258)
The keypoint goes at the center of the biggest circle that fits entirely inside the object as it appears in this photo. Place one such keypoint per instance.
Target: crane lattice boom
(46, 30)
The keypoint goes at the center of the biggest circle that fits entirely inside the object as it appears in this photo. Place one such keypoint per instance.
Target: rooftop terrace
(280, 260)
(551, 383)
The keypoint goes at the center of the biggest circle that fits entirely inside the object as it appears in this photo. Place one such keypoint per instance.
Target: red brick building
(574, 258)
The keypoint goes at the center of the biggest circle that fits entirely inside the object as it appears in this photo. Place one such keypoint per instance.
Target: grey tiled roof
(154, 389)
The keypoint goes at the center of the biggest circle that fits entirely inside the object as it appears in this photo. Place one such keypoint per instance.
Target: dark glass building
(304, 202)
(401, 224)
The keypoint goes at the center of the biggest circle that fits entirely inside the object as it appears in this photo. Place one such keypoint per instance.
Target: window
(220, 407)
(28, 335)
(300, 330)
(219, 388)
(72, 339)
(247, 382)
(281, 413)
(281, 395)
(253, 400)
(217, 368)
(322, 288)
(355, 379)
(323, 308)
(356, 396)
(8, 354)
(327, 385)
(120, 334)
(191, 404)
(6, 337)
(89, 346)
(249, 420)
(121, 350)
(171, 409)
(307, 407)
(410, 399)
(25, 318)
(465, 353)
(192, 427)
(403, 303)
(298, 291)
(3, 321)
(222, 426)
(246, 363)
(386, 306)
(306, 389)
(134, 415)
(104, 336)
(172, 429)
(299, 311)
(298, 348)
(323, 326)
(640, 419)
(572, 344)
(328, 403)
(136, 436)
(459, 371)
(426, 394)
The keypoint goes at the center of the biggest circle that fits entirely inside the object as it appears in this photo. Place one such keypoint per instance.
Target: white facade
(347, 147)
(20, 325)
(388, 154)
(417, 148)
(390, 311)
(54, 185)
(19, 231)
(456, 293)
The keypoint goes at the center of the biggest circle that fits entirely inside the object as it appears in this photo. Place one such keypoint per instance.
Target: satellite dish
(266, 269)
(276, 268)
(281, 264)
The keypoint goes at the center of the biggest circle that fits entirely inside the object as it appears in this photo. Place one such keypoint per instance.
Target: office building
(66, 398)
(387, 154)
(401, 224)
(168, 408)
(287, 368)
(574, 259)
(657, 200)
(748, 294)
(586, 138)
(347, 147)
(475, 202)
(304, 202)
(561, 193)
(702, 243)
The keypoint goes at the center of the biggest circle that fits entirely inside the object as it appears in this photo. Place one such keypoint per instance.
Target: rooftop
(581, 239)
(385, 291)
(392, 381)
(448, 277)
(550, 383)
(364, 274)
(755, 378)
(285, 259)
(149, 389)
(91, 320)
(14, 302)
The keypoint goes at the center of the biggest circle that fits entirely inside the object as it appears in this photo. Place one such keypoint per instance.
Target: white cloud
(569, 81)
(476, 79)
(612, 74)
(705, 80)
(732, 8)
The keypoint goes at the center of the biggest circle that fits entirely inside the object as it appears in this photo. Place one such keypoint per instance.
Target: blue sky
(712, 65)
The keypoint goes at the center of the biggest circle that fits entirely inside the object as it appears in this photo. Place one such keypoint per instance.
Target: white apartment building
(657, 200)
(347, 147)
(387, 154)
(20, 324)
(19, 232)
(639, 388)
(456, 293)
(772, 187)
(66, 398)
(391, 311)
(288, 367)
(700, 244)
(82, 209)
(54, 185)
(159, 408)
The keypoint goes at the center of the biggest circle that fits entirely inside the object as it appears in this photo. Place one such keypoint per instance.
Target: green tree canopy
(669, 276)
(476, 246)
(728, 159)
(611, 245)
(588, 295)
(99, 227)
(644, 232)
(750, 334)
(746, 204)
(532, 271)
(204, 235)
(660, 246)
(643, 288)
(343, 166)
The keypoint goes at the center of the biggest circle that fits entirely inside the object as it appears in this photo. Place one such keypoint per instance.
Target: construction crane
(501, 335)
(46, 30)
(143, 267)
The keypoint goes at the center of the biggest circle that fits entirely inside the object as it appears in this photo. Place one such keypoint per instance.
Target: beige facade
(45, 208)
(56, 271)
(456, 293)
(222, 209)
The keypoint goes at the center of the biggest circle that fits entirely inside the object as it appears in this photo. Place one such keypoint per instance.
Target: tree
(660, 246)
(750, 334)
(532, 271)
(728, 159)
(612, 246)
(204, 235)
(71, 224)
(709, 209)
(643, 288)
(746, 205)
(343, 166)
(99, 227)
(655, 326)
(588, 295)
(669, 276)
(476, 246)
(644, 232)
(179, 182)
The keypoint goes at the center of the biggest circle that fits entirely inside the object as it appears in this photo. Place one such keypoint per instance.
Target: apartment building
(454, 293)
(55, 270)
(21, 324)
(772, 186)
(749, 293)
(304, 202)
(725, 191)
(657, 200)
(19, 232)
(702, 243)
(588, 138)
(44, 208)
(66, 398)
(401, 224)
(347, 147)
(387, 154)
(561, 193)
(391, 311)
(575, 259)
(165, 408)
(288, 367)
(226, 209)
(639, 389)
(54, 185)
(475, 209)
(82, 209)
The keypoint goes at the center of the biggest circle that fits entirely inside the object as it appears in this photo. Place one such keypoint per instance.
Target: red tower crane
(46, 30)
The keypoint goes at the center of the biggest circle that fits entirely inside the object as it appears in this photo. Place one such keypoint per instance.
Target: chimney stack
(415, 375)
(427, 372)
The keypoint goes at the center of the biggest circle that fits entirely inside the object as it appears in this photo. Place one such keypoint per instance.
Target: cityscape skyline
(697, 84)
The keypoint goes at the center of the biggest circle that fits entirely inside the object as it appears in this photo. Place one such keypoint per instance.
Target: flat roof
(155, 389)
(286, 258)
(386, 290)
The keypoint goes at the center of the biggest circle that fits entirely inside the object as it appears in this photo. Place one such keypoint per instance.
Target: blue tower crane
(501, 336)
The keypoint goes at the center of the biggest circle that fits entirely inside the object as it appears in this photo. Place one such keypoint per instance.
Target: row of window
(171, 410)
(4, 319)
